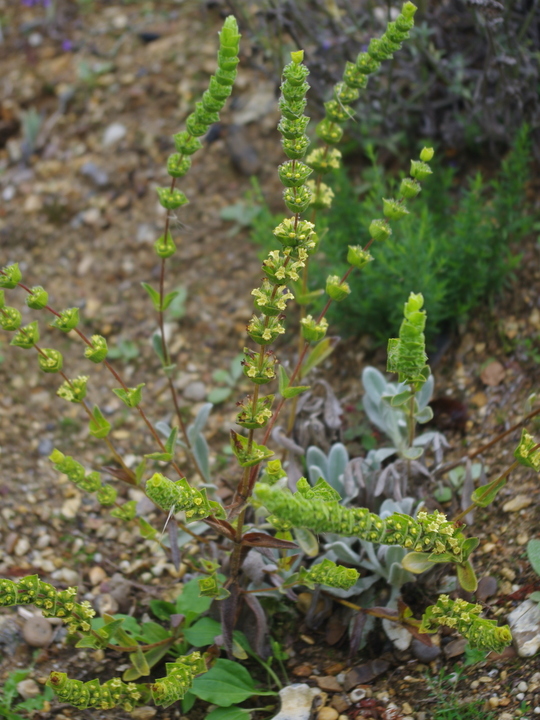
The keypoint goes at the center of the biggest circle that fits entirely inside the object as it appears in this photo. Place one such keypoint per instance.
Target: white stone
(28, 689)
(113, 133)
(524, 623)
(399, 635)
(22, 547)
(296, 702)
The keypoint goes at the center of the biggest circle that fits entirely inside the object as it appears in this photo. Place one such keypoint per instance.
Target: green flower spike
(75, 472)
(429, 533)
(393, 209)
(98, 351)
(427, 154)
(126, 512)
(178, 165)
(277, 271)
(357, 257)
(409, 188)
(420, 170)
(259, 373)
(465, 617)
(380, 230)
(248, 456)
(336, 289)
(264, 330)
(322, 162)
(171, 199)
(164, 246)
(185, 144)
(255, 418)
(68, 320)
(180, 496)
(27, 336)
(30, 590)
(525, 453)
(268, 305)
(131, 396)
(107, 495)
(407, 354)
(179, 679)
(38, 298)
(10, 276)
(312, 331)
(322, 195)
(91, 694)
(330, 574)
(10, 318)
(73, 390)
(50, 361)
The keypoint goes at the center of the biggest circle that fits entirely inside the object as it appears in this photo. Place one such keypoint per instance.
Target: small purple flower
(67, 45)
(34, 3)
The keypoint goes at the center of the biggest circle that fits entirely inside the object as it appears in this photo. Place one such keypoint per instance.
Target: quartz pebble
(522, 686)
(328, 713)
(28, 689)
(143, 713)
(37, 631)
(518, 503)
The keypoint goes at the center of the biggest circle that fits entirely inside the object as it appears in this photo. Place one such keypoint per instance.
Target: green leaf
(467, 577)
(225, 684)
(533, 553)
(162, 609)
(152, 632)
(219, 395)
(164, 457)
(146, 530)
(99, 427)
(157, 344)
(139, 470)
(152, 657)
(189, 603)
(535, 597)
(417, 562)
(154, 296)
(318, 354)
(307, 541)
(169, 297)
(222, 376)
(229, 713)
(139, 662)
(424, 415)
(286, 391)
(89, 641)
(171, 440)
(443, 495)
(484, 496)
(203, 632)
(412, 453)
(400, 399)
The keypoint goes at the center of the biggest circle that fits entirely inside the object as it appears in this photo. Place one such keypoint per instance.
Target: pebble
(114, 133)
(400, 636)
(97, 175)
(70, 507)
(37, 631)
(328, 683)
(494, 702)
(96, 574)
(71, 577)
(520, 696)
(107, 605)
(328, 713)
(45, 447)
(357, 694)
(195, 391)
(8, 193)
(522, 686)
(28, 689)
(22, 547)
(505, 716)
(524, 623)
(424, 653)
(143, 713)
(518, 503)
(297, 701)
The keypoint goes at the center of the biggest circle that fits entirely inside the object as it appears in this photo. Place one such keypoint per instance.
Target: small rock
(37, 631)
(120, 589)
(455, 648)
(400, 636)
(522, 539)
(508, 573)
(97, 175)
(71, 577)
(424, 653)
(92, 217)
(407, 709)
(517, 503)
(22, 547)
(33, 203)
(195, 391)
(506, 716)
(493, 702)
(143, 713)
(45, 447)
(296, 702)
(493, 374)
(341, 702)
(114, 133)
(146, 233)
(8, 193)
(327, 713)
(487, 586)
(28, 689)
(475, 684)
(357, 694)
(70, 507)
(107, 605)
(328, 683)
(524, 622)
(97, 575)
(522, 686)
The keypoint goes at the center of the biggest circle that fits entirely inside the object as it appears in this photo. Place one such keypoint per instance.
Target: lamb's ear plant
(427, 539)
